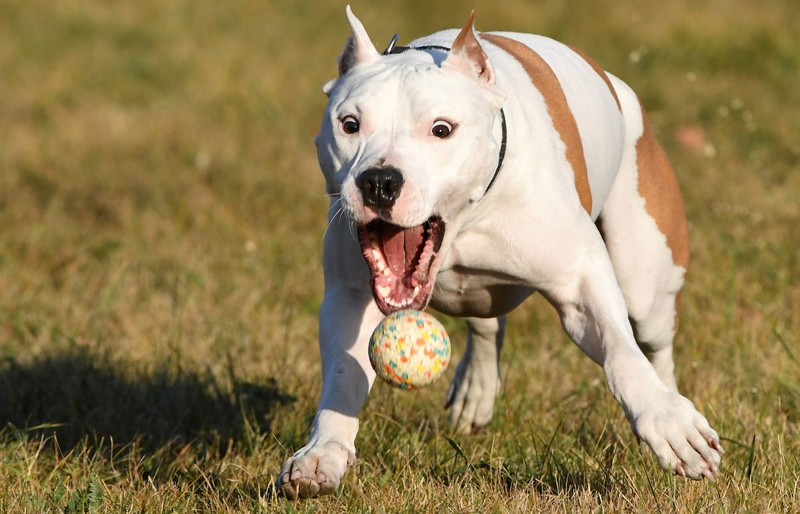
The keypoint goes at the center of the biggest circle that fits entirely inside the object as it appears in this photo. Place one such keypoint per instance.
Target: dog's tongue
(401, 246)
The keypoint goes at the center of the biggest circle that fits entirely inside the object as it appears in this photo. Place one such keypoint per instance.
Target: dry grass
(161, 216)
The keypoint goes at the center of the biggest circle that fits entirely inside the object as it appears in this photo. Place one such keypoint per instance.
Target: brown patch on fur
(545, 80)
(600, 71)
(662, 197)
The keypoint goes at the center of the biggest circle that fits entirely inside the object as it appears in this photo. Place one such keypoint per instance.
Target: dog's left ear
(468, 57)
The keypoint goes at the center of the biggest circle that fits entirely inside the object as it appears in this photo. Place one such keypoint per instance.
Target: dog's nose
(380, 187)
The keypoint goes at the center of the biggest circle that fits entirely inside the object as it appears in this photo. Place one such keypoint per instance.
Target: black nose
(380, 187)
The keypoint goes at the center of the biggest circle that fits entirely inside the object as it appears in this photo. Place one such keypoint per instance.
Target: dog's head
(408, 143)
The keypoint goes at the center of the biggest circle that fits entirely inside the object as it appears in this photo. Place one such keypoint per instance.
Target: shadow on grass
(78, 396)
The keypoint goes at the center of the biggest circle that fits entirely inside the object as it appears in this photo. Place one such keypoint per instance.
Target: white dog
(476, 169)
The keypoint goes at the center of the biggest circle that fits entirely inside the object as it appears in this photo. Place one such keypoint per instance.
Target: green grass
(161, 216)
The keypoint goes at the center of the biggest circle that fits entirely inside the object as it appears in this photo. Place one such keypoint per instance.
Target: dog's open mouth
(400, 260)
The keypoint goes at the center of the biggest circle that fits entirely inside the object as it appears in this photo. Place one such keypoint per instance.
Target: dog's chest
(462, 293)
(470, 283)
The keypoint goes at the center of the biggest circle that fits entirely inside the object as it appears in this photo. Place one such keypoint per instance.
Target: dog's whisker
(340, 211)
(345, 212)
(332, 221)
(353, 229)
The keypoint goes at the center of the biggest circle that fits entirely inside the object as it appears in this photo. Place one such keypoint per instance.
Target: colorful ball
(409, 349)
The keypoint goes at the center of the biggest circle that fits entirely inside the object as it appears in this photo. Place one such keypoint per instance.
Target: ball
(409, 349)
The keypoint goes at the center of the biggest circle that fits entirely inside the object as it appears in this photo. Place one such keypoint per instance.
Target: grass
(161, 216)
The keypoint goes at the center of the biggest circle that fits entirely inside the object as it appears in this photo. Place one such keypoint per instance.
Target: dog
(467, 171)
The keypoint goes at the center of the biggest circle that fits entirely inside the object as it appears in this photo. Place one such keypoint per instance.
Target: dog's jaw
(401, 261)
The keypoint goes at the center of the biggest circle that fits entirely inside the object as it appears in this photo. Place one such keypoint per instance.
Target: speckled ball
(409, 349)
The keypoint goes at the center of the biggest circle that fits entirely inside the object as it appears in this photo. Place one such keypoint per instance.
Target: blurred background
(162, 212)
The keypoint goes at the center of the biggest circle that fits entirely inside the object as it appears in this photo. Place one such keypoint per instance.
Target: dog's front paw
(680, 437)
(472, 393)
(314, 470)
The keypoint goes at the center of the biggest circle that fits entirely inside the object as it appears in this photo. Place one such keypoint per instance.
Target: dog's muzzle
(400, 261)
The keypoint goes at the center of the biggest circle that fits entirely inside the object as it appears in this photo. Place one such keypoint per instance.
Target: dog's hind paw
(681, 438)
(314, 470)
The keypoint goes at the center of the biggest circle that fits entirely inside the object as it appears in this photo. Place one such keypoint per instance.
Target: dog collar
(392, 48)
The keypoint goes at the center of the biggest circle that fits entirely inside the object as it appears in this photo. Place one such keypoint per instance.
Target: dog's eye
(441, 129)
(350, 125)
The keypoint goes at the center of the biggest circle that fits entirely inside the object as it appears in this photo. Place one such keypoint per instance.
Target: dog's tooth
(384, 291)
(376, 254)
(385, 270)
(382, 267)
(416, 291)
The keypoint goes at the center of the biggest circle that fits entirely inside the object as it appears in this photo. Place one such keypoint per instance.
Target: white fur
(528, 233)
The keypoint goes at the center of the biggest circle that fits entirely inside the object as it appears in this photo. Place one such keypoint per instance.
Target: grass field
(161, 217)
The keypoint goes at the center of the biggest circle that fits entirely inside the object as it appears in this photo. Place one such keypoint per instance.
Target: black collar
(394, 49)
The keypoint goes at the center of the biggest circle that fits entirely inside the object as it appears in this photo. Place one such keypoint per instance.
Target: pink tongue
(401, 246)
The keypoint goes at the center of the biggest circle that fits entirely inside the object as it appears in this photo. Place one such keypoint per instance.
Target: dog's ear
(328, 87)
(358, 49)
(468, 57)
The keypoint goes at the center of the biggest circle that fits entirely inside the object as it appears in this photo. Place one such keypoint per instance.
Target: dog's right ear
(359, 48)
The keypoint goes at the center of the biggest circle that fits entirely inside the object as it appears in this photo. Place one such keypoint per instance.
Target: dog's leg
(472, 391)
(593, 313)
(347, 318)
(650, 283)
(644, 227)
(346, 321)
